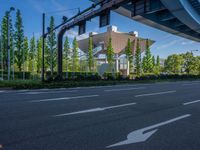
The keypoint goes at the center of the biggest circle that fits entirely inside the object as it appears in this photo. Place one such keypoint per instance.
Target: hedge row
(17, 75)
(167, 76)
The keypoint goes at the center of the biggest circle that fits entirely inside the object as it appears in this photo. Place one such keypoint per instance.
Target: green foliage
(26, 54)
(4, 39)
(190, 62)
(110, 54)
(153, 60)
(173, 63)
(90, 55)
(183, 63)
(157, 67)
(138, 59)
(19, 40)
(158, 61)
(129, 54)
(39, 55)
(75, 55)
(147, 60)
(67, 54)
(167, 77)
(52, 49)
(198, 65)
(32, 53)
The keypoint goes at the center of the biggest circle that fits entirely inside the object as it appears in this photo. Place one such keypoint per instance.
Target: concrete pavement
(161, 116)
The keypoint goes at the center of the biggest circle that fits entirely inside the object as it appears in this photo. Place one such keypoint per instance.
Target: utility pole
(43, 44)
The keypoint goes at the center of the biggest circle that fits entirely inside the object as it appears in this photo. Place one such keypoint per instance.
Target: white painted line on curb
(144, 134)
(152, 94)
(126, 89)
(188, 103)
(64, 98)
(94, 110)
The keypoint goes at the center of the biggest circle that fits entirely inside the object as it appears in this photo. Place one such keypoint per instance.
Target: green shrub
(167, 76)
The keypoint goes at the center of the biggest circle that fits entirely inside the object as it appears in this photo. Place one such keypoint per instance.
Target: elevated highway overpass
(179, 17)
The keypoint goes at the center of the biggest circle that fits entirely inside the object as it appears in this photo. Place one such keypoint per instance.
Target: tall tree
(189, 62)
(32, 52)
(158, 61)
(19, 39)
(147, 62)
(51, 41)
(110, 53)
(90, 55)
(6, 28)
(46, 56)
(39, 55)
(26, 53)
(67, 54)
(1, 58)
(138, 59)
(129, 54)
(173, 63)
(75, 55)
(157, 67)
(198, 68)
(153, 61)
(4, 39)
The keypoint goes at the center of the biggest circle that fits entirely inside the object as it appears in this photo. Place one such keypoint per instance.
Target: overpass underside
(179, 17)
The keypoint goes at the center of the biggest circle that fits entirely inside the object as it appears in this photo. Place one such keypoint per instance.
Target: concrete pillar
(117, 62)
(128, 68)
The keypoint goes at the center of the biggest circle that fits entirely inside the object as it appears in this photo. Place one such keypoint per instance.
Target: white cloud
(49, 6)
(169, 44)
(187, 42)
(73, 33)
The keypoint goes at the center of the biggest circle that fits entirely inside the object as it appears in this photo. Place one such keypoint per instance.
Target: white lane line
(188, 103)
(126, 89)
(159, 93)
(141, 135)
(47, 92)
(94, 110)
(188, 84)
(64, 98)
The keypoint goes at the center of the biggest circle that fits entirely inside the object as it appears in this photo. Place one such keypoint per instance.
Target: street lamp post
(8, 40)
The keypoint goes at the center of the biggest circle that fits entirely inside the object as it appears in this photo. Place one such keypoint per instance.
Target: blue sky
(32, 10)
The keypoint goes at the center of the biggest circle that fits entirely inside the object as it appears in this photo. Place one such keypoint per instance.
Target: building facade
(119, 44)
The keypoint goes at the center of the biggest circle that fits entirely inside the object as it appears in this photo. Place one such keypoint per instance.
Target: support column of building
(128, 68)
(117, 63)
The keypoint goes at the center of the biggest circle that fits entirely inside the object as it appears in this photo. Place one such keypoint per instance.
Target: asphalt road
(161, 116)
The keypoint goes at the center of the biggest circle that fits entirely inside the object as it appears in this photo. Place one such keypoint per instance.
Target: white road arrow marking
(139, 135)
(94, 110)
